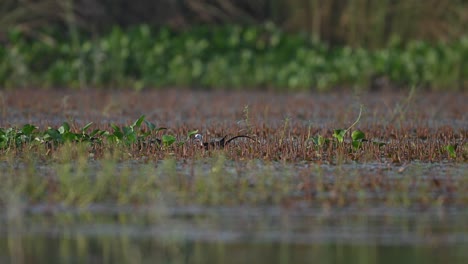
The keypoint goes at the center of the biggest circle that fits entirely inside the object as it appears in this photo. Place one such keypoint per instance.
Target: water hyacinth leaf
(339, 134)
(357, 144)
(331, 65)
(451, 151)
(168, 140)
(65, 127)
(358, 135)
(28, 129)
(53, 134)
(70, 137)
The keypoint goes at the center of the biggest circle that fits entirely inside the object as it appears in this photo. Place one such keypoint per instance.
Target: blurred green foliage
(227, 57)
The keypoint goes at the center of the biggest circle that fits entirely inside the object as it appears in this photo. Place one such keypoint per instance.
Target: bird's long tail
(240, 136)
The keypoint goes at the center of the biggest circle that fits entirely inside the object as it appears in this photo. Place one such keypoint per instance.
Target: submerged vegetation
(227, 57)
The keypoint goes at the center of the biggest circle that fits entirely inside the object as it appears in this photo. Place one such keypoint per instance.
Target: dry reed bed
(294, 144)
(289, 143)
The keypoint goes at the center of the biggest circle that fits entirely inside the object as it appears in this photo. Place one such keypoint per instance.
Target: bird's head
(199, 139)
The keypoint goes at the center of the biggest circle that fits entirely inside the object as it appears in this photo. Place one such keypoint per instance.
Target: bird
(217, 144)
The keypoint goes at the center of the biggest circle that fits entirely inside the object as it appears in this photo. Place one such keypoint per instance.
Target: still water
(238, 234)
(169, 231)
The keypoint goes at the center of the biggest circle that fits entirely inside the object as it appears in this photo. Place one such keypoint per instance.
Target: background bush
(227, 57)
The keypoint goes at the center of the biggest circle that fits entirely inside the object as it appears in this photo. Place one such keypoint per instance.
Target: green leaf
(168, 140)
(28, 129)
(138, 122)
(115, 127)
(86, 127)
(339, 134)
(358, 135)
(318, 140)
(127, 130)
(131, 138)
(191, 133)
(113, 138)
(451, 151)
(70, 137)
(150, 125)
(95, 132)
(117, 132)
(54, 134)
(64, 128)
(357, 144)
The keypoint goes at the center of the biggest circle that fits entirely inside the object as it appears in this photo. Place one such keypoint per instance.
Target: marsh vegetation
(357, 173)
(116, 121)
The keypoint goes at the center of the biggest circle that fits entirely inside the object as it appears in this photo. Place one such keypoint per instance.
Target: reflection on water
(168, 230)
(111, 234)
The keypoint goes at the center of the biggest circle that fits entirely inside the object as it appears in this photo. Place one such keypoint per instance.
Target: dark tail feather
(240, 136)
(215, 144)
